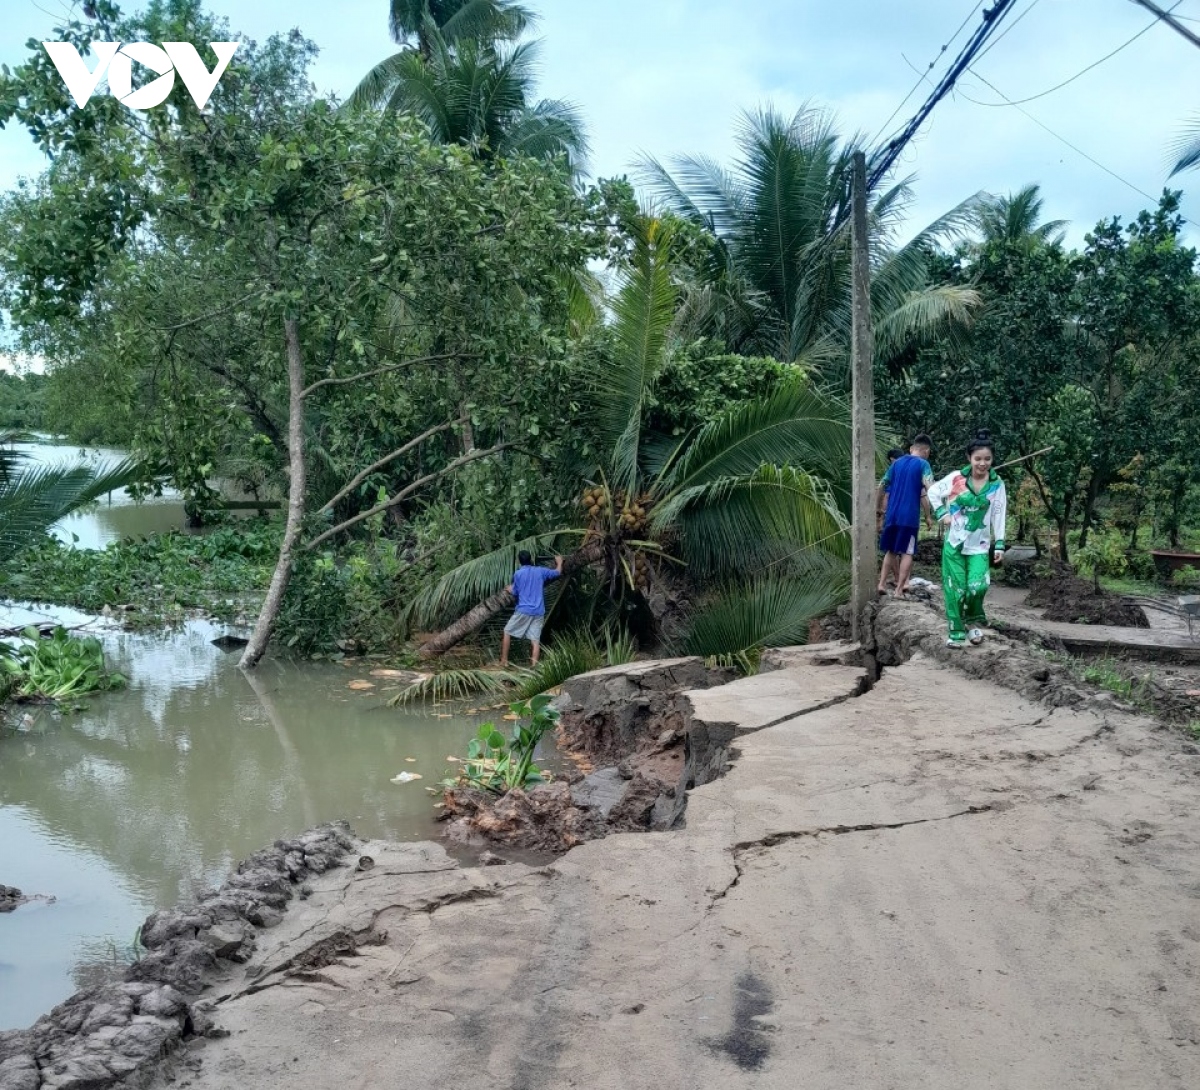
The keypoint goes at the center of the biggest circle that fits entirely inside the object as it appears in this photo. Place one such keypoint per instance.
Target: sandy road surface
(937, 884)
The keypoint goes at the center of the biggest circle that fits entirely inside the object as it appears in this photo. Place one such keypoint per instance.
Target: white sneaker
(956, 644)
(975, 636)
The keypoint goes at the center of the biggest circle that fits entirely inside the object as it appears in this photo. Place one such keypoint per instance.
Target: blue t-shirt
(527, 585)
(904, 481)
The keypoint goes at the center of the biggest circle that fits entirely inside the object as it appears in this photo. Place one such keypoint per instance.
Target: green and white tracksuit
(977, 521)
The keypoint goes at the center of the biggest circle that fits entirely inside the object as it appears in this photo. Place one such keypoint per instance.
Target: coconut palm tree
(779, 272)
(471, 83)
(749, 504)
(1015, 220)
(34, 498)
(411, 21)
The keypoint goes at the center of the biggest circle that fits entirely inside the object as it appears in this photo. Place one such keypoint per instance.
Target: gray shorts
(525, 627)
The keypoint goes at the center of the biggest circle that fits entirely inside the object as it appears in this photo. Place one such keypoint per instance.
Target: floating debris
(407, 777)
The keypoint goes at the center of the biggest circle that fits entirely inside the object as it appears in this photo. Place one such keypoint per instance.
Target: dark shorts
(899, 539)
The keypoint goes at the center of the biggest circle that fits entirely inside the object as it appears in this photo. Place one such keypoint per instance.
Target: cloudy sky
(668, 77)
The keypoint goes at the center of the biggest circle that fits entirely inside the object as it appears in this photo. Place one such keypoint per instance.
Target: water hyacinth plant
(497, 764)
(58, 668)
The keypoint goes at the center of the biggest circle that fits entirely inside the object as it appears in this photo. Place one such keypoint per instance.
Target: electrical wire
(922, 77)
(992, 18)
(1062, 139)
(1095, 64)
(1012, 26)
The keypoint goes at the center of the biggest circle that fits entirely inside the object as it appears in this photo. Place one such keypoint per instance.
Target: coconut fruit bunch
(641, 572)
(595, 503)
(633, 520)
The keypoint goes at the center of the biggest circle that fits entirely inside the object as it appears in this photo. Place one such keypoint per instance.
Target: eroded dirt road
(937, 884)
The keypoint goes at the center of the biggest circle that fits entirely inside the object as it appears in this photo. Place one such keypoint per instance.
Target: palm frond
(797, 425)
(33, 499)
(923, 315)
(547, 129)
(571, 654)
(643, 311)
(487, 20)
(751, 521)
(456, 685)
(471, 582)
(766, 612)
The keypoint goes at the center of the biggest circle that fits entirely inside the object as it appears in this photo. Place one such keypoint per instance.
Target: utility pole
(863, 573)
(1170, 20)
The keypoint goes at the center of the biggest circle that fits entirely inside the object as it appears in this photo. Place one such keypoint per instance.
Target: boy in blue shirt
(526, 621)
(905, 483)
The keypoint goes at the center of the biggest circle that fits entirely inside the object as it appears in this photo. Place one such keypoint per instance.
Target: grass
(1125, 585)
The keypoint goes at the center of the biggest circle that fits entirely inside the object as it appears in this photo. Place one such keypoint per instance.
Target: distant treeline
(22, 402)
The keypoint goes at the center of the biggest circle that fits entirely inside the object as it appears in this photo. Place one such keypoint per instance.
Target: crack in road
(771, 840)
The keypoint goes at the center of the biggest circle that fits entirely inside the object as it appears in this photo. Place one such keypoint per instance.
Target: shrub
(1186, 578)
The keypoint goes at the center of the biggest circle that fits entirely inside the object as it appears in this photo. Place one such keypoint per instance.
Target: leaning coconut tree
(748, 506)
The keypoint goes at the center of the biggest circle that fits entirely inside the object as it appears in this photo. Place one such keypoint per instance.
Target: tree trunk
(296, 495)
(474, 618)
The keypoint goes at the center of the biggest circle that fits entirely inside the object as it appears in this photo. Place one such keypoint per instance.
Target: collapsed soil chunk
(1064, 597)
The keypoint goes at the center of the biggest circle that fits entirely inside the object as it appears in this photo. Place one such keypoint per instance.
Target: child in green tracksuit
(972, 503)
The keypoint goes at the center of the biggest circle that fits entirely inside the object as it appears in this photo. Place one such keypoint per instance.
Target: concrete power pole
(864, 572)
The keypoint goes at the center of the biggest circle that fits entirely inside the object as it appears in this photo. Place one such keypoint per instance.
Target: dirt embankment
(632, 728)
(1055, 589)
(105, 1035)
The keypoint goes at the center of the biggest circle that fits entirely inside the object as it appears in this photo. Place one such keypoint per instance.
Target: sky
(671, 77)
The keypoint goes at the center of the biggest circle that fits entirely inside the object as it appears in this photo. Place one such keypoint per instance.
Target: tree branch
(404, 493)
(359, 478)
(379, 371)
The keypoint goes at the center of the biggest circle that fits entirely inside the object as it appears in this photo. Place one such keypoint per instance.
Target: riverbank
(938, 882)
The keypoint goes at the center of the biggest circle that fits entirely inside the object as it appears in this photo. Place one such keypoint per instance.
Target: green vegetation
(22, 402)
(385, 317)
(33, 498)
(497, 764)
(455, 684)
(59, 668)
(159, 576)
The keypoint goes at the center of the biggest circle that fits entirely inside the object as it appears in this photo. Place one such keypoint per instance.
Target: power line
(921, 78)
(1012, 26)
(1170, 20)
(1095, 64)
(992, 18)
(1061, 139)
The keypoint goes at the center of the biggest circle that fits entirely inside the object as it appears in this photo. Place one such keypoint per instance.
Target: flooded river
(152, 793)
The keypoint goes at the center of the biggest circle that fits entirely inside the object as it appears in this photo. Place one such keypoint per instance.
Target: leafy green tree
(298, 256)
(776, 278)
(757, 490)
(1018, 351)
(22, 401)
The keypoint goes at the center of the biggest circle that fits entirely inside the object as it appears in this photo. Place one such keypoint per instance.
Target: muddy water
(150, 794)
(114, 517)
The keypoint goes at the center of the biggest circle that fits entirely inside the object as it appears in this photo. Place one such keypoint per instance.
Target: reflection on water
(152, 793)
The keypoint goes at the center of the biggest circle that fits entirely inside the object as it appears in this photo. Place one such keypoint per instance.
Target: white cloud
(667, 77)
